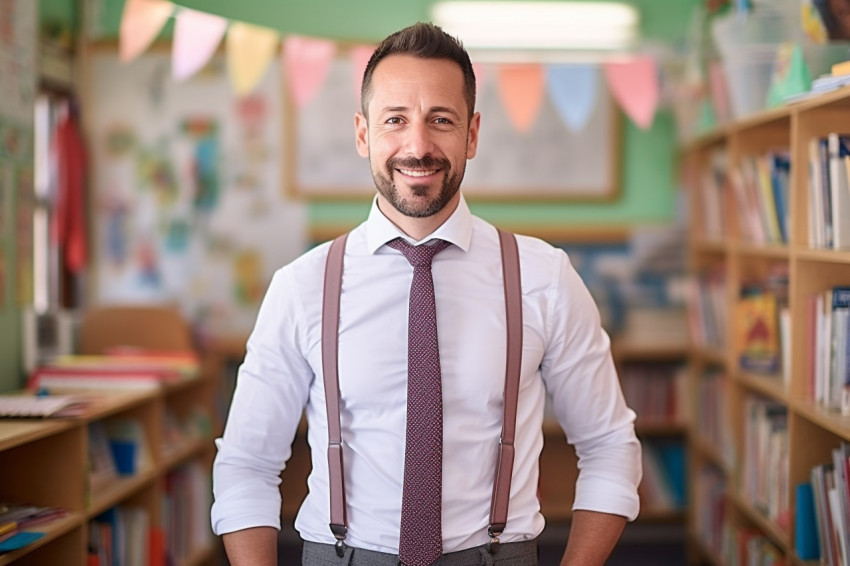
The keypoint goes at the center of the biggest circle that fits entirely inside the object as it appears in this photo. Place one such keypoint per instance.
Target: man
(417, 127)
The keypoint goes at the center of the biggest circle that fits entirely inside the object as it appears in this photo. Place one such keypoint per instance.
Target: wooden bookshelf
(650, 353)
(45, 462)
(813, 431)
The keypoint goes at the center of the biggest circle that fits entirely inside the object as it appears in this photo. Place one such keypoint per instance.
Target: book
(42, 406)
(841, 68)
(805, 532)
(838, 148)
(841, 344)
(758, 338)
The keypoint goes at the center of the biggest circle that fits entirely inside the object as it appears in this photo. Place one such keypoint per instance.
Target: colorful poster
(186, 185)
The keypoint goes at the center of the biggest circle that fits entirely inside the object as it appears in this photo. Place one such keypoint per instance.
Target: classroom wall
(647, 164)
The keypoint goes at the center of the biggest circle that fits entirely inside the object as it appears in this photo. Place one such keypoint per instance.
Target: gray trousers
(522, 553)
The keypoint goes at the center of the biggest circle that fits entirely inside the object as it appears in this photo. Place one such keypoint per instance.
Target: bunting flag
(196, 37)
(481, 76)
(141, 22)
(250, 49)
(521, 88)
(360, 56)
(573, 90)
(306, 63)
(634, 84)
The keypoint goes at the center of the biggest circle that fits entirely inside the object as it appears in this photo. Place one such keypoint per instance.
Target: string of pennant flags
(250, 49)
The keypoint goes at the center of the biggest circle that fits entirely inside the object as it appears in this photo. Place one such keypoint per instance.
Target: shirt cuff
(606, 496)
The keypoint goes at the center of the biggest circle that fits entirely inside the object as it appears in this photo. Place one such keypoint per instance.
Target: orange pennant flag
(141, 22)
(521, 88)
(634, 84)
(250, 49)
(196, 37)
(306, 62)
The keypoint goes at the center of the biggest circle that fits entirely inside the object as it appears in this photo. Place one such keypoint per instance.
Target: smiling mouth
(417, 173)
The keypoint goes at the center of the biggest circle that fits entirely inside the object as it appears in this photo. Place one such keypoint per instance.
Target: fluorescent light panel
(538, 25)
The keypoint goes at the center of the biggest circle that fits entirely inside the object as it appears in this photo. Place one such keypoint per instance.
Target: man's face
(418, 135)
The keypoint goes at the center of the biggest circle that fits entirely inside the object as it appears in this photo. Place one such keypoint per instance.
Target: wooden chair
(149, 327)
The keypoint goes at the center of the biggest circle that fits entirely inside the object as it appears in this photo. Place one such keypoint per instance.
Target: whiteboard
(547, 162)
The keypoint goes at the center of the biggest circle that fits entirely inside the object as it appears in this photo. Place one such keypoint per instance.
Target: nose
(419, 140)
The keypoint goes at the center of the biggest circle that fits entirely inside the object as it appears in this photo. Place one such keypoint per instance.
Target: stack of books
(122, 369)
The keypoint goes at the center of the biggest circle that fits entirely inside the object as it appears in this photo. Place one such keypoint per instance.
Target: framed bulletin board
(549, 162)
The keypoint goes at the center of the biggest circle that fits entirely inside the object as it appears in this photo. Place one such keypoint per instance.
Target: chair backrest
(150, 327)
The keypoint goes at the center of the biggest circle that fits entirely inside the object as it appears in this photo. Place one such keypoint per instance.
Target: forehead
(398, 78)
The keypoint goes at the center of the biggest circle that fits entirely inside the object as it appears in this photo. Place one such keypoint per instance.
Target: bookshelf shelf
(830, 421)
(119, 490)
(768, 385)
(52, 531)
(755, 250)
(768, 527)
(778, 162)
(22, 432)
(709, 355)
(712, 247)
(827, 256)
(710, 453)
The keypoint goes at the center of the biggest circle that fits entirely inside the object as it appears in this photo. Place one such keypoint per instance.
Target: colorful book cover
(757, 332)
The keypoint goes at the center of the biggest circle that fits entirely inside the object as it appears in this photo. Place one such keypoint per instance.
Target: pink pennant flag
(141, 22)
(250, 49)
(634, 85)
(521, 88)
(306, 63)
(360, 56)
(196, 37)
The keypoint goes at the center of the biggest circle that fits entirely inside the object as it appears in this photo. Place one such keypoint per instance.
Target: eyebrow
(432, 110)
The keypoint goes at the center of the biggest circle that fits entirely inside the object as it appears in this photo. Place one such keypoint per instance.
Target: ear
(361, 132)
(472, 136)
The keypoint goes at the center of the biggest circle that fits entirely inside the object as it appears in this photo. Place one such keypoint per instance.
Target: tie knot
(418, 256)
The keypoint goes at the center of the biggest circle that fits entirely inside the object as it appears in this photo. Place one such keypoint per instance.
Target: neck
(417, 228)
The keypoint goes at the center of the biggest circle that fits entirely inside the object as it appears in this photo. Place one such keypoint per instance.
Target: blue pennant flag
(573, 92)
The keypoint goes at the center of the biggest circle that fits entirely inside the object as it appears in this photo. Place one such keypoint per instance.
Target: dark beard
(386, 185)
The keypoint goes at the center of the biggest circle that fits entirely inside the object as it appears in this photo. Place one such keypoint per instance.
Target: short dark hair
(427, 41)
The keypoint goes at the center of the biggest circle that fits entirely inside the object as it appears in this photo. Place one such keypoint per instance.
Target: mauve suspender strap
(330, 368)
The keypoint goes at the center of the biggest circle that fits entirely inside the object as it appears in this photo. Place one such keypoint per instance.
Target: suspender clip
(494, 530)
(339, 532)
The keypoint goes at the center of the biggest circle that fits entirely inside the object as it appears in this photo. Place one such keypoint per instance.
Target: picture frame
(548, 163)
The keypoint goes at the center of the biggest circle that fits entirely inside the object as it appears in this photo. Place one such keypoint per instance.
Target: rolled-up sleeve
(271, 390)
(587, 399)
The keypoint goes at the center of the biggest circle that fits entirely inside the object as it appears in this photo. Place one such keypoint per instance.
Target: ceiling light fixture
(544, 26)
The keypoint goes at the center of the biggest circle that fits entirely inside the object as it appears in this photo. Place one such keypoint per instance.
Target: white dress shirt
(566, 354)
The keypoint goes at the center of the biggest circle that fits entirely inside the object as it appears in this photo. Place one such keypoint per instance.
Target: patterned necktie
(421, 539)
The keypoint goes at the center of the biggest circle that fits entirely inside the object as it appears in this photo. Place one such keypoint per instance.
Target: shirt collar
(457, 229)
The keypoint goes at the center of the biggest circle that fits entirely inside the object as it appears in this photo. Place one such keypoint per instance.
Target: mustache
(427, 162)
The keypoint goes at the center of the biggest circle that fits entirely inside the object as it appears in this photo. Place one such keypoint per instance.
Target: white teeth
(411, 173)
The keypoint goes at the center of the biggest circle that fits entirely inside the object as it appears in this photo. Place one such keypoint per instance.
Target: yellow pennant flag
(250, 49)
